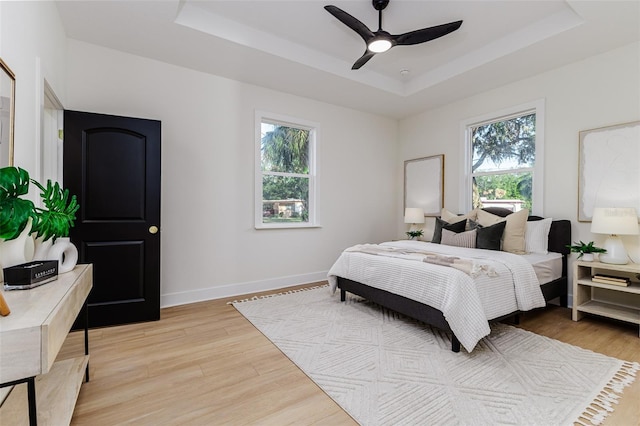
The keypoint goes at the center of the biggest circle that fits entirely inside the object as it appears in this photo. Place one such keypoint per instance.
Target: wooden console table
(30, 338)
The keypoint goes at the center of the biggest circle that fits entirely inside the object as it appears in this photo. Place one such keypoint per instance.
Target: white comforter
(467, 303)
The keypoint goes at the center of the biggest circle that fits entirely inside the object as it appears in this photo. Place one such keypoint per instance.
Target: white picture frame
(424, 184)
(609, 168)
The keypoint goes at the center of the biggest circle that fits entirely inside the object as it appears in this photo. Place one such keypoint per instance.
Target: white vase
(16, 251)
(65, 253)
(41, 248)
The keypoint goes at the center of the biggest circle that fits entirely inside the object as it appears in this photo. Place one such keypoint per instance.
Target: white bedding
(548, 267)
(467, 303)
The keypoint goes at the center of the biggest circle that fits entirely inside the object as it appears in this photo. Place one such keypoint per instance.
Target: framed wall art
(7, 118)
(609, 168)
(424, 184)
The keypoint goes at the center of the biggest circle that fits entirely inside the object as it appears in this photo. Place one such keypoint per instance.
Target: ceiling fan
(381, 41)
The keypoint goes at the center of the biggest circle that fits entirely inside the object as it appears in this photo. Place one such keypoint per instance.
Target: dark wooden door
(112, 164)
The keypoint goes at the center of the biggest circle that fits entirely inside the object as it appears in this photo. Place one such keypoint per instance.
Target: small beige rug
(385, 369)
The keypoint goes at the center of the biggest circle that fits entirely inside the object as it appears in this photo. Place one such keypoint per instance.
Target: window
(503, 160)
(285, 172)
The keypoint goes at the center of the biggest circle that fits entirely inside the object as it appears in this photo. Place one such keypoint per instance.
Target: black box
(30, 275)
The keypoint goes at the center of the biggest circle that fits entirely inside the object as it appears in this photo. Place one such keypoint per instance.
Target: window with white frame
(285, 171)
(504, 159)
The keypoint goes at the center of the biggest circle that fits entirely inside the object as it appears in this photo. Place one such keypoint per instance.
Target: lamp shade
(614, 221)
(413, 215)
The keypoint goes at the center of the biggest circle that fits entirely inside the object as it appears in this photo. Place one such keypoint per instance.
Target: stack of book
(608, 279)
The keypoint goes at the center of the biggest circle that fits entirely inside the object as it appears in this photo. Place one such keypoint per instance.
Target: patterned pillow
(441, 224)
(461, 239)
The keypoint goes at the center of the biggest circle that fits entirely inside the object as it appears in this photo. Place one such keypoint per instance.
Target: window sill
(286, 226)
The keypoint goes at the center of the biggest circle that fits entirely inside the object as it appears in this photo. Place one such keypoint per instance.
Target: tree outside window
(286, 170)
(503, 160)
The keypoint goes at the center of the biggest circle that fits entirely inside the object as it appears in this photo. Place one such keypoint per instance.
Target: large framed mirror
(7, 114)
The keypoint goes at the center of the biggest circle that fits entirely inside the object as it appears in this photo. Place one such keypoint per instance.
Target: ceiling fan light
(379, 45)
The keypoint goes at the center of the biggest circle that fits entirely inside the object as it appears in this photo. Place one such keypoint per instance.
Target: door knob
(153, 229)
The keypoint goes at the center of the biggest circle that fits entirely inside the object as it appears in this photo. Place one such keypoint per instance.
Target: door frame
(50, 127)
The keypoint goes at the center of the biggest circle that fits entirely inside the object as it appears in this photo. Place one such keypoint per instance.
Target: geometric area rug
(385, 369)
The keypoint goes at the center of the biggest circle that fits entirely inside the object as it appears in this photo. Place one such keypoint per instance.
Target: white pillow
(462, 239)
(536, 236)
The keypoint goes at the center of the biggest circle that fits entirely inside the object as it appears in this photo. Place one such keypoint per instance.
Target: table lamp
(413, 215)
(614, 221)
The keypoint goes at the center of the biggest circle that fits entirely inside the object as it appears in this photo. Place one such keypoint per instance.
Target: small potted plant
(586, 250)
(21, 221)
(414, 234)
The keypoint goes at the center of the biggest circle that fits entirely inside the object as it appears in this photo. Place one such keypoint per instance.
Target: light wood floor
(204, 364)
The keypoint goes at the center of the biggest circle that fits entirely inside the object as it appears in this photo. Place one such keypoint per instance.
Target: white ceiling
(297, 47)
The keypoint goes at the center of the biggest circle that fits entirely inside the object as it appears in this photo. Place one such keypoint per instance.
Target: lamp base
(616, 253)
(414, 227)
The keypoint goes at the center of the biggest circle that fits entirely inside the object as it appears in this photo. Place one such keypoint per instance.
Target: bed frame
(559, 239)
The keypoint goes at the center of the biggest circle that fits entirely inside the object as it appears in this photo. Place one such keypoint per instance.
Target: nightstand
(607, 300)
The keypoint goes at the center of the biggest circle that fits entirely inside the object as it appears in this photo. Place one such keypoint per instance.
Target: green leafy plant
(54, 220)
(60, 211)
(415, 234)
(14, 211)
(584, 248)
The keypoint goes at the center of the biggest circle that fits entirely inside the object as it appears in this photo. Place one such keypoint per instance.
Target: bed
(469, 322)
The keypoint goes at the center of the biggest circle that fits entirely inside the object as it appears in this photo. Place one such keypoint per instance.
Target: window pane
(504, 145)
(284, 149)
(285, 199)
(512, 191)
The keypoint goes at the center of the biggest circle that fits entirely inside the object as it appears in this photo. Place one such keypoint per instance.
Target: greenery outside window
(285, 172)
(503, 160)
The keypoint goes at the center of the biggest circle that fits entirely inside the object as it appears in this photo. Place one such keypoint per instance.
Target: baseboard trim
(237, 289)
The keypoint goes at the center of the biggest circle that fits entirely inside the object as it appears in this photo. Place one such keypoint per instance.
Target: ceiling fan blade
(363, 59)
(350, 22)
(426, 34)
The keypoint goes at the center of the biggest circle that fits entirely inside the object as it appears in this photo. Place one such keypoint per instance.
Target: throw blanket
(468, 266)
(466, 302)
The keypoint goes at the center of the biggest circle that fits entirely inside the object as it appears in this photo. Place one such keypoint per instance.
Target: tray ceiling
(299, 48)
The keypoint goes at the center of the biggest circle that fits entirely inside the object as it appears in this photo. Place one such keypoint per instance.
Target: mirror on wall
(7, 118)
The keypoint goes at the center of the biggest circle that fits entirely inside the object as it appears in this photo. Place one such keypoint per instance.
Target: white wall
(32, 43)
(209, 246)
(600, 91)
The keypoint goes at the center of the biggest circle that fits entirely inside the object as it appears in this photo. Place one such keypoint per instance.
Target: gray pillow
(489, 237)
